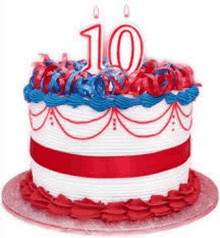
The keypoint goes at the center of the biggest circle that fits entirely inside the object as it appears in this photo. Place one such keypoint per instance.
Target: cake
(110, 146)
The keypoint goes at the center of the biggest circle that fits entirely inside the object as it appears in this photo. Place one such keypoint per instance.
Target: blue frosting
(98, 103)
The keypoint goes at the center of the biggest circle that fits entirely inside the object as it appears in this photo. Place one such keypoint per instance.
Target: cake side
(134, 131)
(157, 177)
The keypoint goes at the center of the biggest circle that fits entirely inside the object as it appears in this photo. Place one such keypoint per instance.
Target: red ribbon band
(110, 166)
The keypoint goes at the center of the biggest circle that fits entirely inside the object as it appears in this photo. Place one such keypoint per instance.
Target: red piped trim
(181, 124)
(118, 112)
(174, 108)
(151, 135)
(83, 138)
(133, 209)
(44, 121)
(182, 112)
(81, 122)
(37, 114)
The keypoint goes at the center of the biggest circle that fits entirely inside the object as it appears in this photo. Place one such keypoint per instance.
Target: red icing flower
(191, 198)
(25, 190)
(139, 215)
(196, 184)
(136, 205)
(186, 189)
(115, 208)
(157, 200)
(86, 209)
(114, 218)
(85, 213)
(89, 204)
(115, 211)
(175, 200)
(138, 209)
(159, 205)
(37, 199)
(44, 193)
(27, 187)
(60, 206)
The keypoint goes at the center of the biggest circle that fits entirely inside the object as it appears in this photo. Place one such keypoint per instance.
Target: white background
(183, 31)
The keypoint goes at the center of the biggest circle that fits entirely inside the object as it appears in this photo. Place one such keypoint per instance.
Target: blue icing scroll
(170, 98)
(100, 104)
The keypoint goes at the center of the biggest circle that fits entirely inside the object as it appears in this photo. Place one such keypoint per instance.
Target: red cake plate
(14, 203)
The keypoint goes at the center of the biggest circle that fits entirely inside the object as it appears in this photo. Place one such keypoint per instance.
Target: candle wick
(126, 11)
(96, 12)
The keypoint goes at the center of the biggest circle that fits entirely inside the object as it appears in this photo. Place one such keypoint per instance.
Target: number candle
(94, 49)
(133, 58)
(125, 47)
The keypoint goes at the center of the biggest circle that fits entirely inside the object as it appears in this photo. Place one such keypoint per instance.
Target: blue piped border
(100, 104)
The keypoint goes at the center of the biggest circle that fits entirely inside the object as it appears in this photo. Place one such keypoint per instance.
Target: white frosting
(110, 190)
(110, 142)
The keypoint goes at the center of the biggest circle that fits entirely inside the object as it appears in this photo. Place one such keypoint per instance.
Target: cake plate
(14, 203)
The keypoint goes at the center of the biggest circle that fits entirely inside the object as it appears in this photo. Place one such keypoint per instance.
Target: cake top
(67, 82)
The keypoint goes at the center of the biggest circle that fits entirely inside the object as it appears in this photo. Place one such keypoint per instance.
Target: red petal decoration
(191, 178)
(177, 205)
(62, 201)
(136, 205)
(160, 210)
(196, 184)
(29, 176)
(191, 198)
(54, 209)
(174, 196)
(117, 205)
(26, 192)
(45, 194)
(116, 208)
(23, 184)
(157, 200)
(85, 213)
(114, 218)
(139, 215)
(186, 189)
(38, 200)
(39, 204)
(88, 203)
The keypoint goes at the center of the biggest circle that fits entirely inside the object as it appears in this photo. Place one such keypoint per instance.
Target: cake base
(13, 202)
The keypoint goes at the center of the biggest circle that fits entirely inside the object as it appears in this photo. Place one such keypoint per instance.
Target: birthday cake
(110, 146)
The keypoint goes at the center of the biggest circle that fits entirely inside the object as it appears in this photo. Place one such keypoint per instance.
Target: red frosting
(133, 209)
(158, 78)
